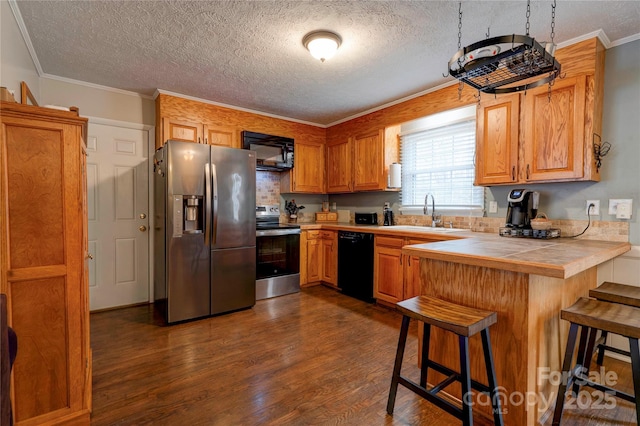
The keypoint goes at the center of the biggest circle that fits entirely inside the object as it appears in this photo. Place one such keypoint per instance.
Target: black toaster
(366, 218)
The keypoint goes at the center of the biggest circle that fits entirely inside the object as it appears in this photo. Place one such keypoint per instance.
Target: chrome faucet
(435, 218)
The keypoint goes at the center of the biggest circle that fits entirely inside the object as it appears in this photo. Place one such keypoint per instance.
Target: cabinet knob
(142, 228)
(143, 216)
(90, 256)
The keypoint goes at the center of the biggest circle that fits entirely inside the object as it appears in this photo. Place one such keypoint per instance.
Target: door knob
(143, 216)
(142, 228)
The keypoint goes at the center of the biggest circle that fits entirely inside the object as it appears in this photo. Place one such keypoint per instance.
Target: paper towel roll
(394, 179)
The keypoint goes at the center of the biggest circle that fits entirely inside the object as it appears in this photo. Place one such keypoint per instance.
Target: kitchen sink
(425, 229)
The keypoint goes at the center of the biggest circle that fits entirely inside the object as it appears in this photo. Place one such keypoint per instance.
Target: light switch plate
(623, 211)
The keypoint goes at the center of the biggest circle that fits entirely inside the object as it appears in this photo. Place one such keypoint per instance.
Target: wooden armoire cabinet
(43, 261)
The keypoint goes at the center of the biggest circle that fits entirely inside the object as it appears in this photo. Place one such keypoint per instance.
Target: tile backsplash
(267, 188)
(598, 230)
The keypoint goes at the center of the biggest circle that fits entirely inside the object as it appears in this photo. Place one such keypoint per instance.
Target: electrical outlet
(493, 207)
(595, 210)
(613, 204)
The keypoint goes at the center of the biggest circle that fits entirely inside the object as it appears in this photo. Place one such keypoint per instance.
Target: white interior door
(118, 210)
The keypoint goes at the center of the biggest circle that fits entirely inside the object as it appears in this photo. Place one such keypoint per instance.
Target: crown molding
(220, 104)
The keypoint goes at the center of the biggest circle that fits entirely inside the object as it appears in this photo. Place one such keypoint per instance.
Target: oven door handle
(276, 232)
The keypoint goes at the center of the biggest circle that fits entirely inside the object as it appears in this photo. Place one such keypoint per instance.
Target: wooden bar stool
(614, 293)
(463, 321)
(592, 315)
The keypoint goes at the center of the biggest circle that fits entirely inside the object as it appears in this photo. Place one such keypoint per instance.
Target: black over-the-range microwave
(273, 153)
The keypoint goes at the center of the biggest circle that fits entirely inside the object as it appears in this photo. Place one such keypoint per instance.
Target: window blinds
(440, 161)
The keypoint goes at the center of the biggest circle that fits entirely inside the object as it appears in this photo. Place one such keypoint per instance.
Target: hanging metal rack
(496, 64)
(523, 59)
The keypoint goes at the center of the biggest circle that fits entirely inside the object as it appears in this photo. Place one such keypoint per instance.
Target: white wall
(623, 269)
(15, 64)
(95, 101)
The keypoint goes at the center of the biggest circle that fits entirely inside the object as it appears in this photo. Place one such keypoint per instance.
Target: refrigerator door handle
(214, 176)
(207, 205)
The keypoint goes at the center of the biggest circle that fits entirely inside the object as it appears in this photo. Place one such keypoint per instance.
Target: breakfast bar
(526, 282)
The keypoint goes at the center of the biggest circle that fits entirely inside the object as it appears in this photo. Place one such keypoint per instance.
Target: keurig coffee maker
(523, 206)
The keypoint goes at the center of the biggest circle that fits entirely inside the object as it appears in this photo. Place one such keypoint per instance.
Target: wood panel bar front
(527, 341)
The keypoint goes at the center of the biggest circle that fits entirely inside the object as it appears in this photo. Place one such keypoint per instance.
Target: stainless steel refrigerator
(204, 230)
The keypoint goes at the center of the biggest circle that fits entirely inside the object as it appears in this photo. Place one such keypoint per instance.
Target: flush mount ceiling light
(322, 44)
(506, 64)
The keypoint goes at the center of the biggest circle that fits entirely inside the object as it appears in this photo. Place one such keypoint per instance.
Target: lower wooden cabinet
(396, 276)
(319, 257)
(43, 267)
(329, 257)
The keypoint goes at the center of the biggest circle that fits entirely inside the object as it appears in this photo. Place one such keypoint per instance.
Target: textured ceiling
(249, 53)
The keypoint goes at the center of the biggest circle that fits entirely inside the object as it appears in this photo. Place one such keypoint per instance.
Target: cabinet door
(303, 258)
(388, 269)
(308, 167)
(314, 257)
(181, 130)
(339, 167)
(412, 281)
(554, 131)
(330, 257)
(368, 162)
(497, 140)
(222, 136)
(43, 272)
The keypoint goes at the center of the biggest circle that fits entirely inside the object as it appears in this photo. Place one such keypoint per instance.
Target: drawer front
(313, 235)
(390, 241)
(327, 235)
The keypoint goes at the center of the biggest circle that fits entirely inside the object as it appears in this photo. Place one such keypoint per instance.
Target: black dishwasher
(355, 264)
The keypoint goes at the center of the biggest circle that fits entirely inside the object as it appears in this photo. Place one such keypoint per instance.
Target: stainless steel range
(277, 254)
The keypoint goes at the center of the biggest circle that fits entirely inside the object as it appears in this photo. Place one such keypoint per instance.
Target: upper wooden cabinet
(368, 162)
(181, 131)
(554, 142)
(307, 175)
(554, 122)
(554, 129)
(497, 140)
(339, 178)
(43, 267)
(361, 162)
(222, 136)
(199, 133)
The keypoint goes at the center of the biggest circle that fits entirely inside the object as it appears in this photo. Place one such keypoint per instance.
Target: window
(437, 155)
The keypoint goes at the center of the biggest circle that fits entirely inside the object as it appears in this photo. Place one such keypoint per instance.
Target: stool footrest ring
(612, 349)
(434, 399)
(449, 372)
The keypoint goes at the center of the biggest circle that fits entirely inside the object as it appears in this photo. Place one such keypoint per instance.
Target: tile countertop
(558, 258)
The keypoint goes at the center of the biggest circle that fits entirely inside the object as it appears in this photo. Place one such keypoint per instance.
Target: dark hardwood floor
(312, 358)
